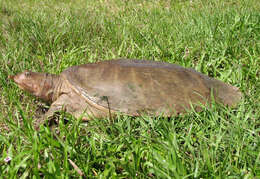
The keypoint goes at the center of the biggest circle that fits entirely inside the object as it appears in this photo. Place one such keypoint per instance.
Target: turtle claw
(38, 122)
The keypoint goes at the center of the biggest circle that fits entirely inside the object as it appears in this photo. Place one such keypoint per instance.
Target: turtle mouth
(22, 87)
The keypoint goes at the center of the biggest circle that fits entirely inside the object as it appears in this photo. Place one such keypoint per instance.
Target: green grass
(219, 38)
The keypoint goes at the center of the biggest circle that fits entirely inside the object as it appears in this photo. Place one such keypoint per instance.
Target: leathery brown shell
(134, 86)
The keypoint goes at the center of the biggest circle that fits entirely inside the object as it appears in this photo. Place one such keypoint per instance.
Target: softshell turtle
(130, 87)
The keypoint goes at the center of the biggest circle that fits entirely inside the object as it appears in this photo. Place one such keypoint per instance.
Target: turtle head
(39, 84)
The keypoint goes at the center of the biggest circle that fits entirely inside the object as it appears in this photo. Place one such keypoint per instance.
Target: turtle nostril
(11, 77)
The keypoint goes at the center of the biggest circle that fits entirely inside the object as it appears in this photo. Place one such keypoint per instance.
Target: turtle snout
(20, 80)
(14, 78)
(11, 77)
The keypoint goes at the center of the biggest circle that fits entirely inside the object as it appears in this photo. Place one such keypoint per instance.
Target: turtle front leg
(58, 105)
(71, 103)
(75, 105)
(38, 122)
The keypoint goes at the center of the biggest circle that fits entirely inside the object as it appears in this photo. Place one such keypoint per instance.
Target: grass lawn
(220, 38)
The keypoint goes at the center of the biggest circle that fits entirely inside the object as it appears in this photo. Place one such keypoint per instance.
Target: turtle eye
(27, 73)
